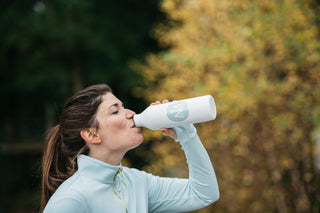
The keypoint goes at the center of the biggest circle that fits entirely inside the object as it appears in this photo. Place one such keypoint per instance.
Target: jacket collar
(96, 169)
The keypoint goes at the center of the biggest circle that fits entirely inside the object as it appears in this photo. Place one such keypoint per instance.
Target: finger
(169, 132)
(155, 103)
(165, 101)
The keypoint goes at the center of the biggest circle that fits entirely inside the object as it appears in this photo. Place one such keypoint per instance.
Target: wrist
(184, 132)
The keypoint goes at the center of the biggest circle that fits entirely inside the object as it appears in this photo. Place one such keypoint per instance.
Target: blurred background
(260, 60)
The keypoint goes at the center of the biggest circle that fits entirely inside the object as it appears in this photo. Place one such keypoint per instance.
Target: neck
(111, 158)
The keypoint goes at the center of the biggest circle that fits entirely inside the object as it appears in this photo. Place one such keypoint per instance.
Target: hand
(166, 131)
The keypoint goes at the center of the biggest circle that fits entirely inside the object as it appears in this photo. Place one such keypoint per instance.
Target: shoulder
(67, 198)
(136, 173)
(141, 176)
(66, 204)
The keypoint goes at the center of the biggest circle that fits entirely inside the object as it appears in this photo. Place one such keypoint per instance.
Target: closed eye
(116, 107)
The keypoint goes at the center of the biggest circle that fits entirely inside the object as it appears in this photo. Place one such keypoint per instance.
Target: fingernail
(162, 131)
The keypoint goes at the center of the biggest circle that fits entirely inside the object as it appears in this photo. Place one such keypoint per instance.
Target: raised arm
(198, 191)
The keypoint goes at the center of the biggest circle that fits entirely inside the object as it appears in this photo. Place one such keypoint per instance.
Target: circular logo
(178, 111)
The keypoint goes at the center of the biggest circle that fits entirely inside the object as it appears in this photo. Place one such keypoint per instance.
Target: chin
(141, 138)
(137, 144)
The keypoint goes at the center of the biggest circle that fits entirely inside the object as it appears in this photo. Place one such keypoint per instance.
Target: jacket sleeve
(180, 195)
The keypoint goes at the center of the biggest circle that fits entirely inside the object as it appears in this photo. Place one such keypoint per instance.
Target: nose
(129, 113)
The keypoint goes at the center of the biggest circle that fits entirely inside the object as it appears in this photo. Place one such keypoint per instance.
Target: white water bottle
(177, 113)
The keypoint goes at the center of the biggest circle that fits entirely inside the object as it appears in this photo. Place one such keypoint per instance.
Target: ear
(90, 135)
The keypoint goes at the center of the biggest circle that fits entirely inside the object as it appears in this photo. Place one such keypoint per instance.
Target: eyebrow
(115, 105)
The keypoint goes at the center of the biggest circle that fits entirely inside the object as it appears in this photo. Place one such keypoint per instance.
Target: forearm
(202, 178)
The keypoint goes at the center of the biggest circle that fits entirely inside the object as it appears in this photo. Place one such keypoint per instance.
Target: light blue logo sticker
(178, 111)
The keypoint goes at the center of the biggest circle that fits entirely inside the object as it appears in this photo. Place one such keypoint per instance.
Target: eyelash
(117, 111)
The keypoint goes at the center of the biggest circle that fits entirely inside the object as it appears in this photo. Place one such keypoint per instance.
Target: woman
(82, 169)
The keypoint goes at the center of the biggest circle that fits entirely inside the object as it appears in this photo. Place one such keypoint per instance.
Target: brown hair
(64, 143)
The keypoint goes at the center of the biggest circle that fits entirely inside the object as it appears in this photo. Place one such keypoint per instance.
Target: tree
(260, 60)
(49, 50)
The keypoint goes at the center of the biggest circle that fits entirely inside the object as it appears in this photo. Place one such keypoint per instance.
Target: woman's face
(116, 126)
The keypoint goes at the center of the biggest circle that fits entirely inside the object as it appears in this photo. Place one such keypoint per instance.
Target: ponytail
(64, 142)
(54, 169)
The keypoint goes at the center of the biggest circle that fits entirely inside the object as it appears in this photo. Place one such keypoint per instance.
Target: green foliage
(49, 50)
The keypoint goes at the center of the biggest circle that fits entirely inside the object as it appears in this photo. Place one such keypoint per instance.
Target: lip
(133, 125)
(138, 128)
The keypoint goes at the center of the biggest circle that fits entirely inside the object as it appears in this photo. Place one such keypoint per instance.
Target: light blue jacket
(98, 187)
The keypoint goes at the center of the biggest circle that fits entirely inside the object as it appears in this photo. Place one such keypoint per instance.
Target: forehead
(109, 99)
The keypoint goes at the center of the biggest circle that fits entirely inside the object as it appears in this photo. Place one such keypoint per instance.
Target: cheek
(114, 127)
(118, 125)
